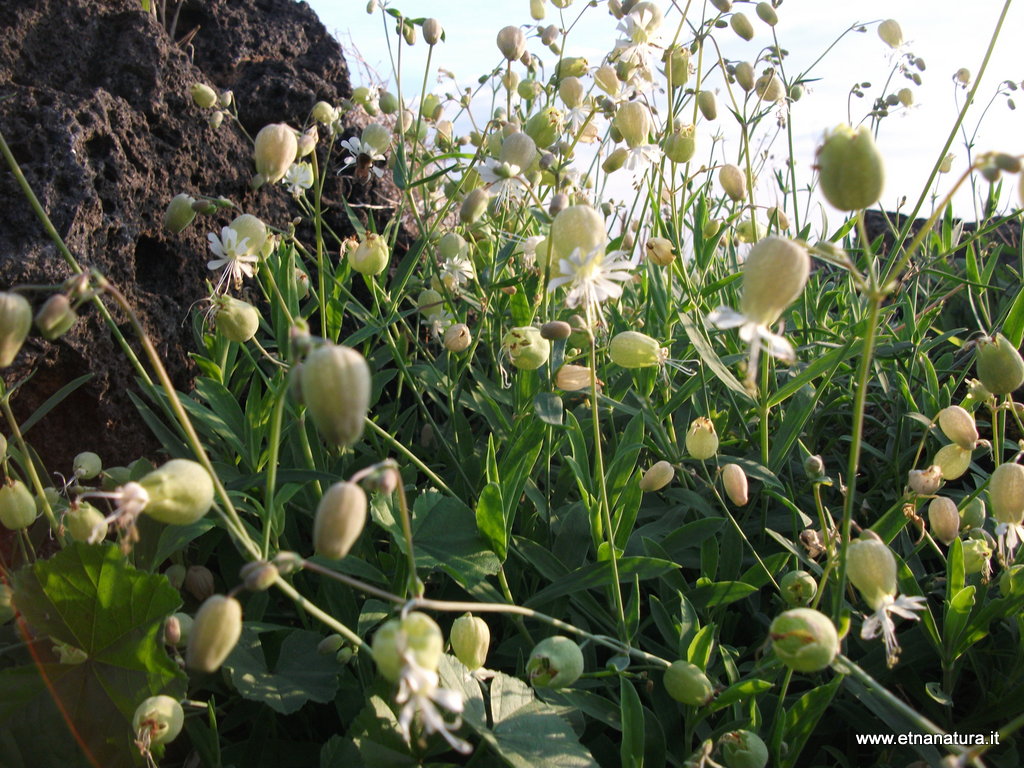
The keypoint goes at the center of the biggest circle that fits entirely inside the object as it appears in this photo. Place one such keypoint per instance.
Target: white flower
(881, 621)
(369, 154)
(455, 271)
(438, 322)
(757, 335)
(503, 180)
(298, 177)
(528, 248)
(418, 692)
(232, 256)
(1009, 535)
(639, 159)
(592, 277)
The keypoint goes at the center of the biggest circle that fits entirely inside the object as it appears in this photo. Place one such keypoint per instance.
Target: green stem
(325, 617)
(274, 448)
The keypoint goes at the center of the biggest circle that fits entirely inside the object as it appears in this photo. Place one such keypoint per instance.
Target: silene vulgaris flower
(233, 256)
(503, 181)
(419, 694)
(363, 155)
(593, 277)
(774, 275)
(298, 178)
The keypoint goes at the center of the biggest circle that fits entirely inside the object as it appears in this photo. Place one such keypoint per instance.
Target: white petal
(777, 346)
(726, 317)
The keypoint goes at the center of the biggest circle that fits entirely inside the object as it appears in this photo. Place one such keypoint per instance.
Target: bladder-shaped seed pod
(340, 517)
(215, 632)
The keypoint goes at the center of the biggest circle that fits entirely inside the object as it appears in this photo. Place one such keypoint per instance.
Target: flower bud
(687, 683)
(179, 213)
(432, 31)
(1006, 493)
(734, 480)
(55, 317)
(203, 96)
(81, 519)
(511, 42)
(632, 349)
(767, 14)
(417, 635)
(470, 638)
(741, 26)
(660, 251)
(925, 482)
(473, 205)
(850, 168)
(769, 87)
(723, 6)
(259, 575)
(999, 365)
(236, 320)
(527, 349)
(336, 384)
(607, 80)
(458, 338)
(371, 256)
(180, 492)
(657, 477)
(556, 329)
(952, 461)
(15, 322)
(556, 662)
(871, 568)
(707, 105)
(276, 149)
(972, 516)
(181, 631)
(17, 508)
(633, 121)
(890, 32)
(805, 640)
(743, 749)
(701, 439)
(215, 632)
(158, 720)
(340, 517)
(578, 226)
(330, 645)
(615, 160)
(86, 465)
(798, 588)
(324, 113)
(944, 519)
(733, 182)
(572, 378)
(774, 276)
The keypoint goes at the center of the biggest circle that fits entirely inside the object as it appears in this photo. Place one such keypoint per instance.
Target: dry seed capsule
(944, 519)
(236, 320)
(215, 632)
(925, 482)
(657, 477)
(743, 749)
(158, 720)
(573, 378)
(804, 639)
(952, 461)
(774, 275)
(470, 638)
(17, 507)
(275, 149)
(687, 684)
(556, 329)
(999, 365)
(871, 568)
(179, 213)
(15, 322)
(701, 439)
(632, 349)
(180, 492)
(707, 105)
(798, 588)
(959, 426)
(850, 168)
(741, 26)
(733, 182)
(890, 32)
(417, 635)
(555, 662)
(527, 349)
(734, 479)
(458, 338)
(340, 517)
(336, 390)
(1006, 493)
(511, 42)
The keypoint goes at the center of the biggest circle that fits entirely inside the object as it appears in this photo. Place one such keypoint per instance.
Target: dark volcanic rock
(94, 102)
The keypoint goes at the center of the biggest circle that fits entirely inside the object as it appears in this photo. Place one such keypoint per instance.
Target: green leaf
(802, 718)
(710, 358)
(1013, 326)
(53, 401)
(445, 536)
(719, 593)
(632, 749)
(744, 691)
(339, 752)
(490, 519)
(548, 407)
(376, 734)
(301, 674)
(90, 598)
(600, 574)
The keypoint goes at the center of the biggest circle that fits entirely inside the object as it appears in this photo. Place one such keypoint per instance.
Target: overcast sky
(942, 32)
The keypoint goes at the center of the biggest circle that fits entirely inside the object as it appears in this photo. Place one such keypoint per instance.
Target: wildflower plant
(472, 406)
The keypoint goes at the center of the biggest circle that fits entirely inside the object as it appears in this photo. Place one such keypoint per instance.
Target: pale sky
(942, 32)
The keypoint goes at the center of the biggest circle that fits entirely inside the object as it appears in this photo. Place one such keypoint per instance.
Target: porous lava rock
(95, 104)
